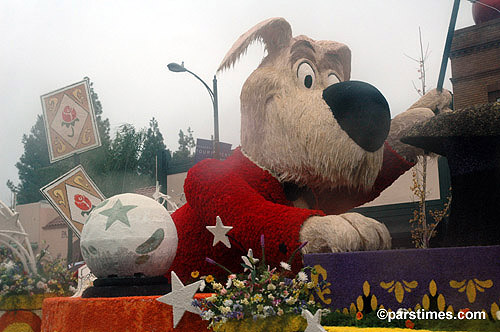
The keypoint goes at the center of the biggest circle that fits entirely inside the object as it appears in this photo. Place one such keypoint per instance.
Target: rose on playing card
(68, 114)
(69, 118)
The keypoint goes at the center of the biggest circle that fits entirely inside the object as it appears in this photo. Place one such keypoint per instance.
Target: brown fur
(289, 130)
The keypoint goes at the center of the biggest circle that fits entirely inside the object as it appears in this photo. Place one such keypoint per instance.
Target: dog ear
(275, 33)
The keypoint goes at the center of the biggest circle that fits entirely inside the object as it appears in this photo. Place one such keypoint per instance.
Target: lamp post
(177, 68)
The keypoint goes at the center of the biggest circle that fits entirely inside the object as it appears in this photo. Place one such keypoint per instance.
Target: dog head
(301, 116)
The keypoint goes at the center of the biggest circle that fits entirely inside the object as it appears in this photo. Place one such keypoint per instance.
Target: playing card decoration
(70, 123)
(73, 195)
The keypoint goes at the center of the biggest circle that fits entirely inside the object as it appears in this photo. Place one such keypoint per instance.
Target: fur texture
(288, 134)
(290, 130)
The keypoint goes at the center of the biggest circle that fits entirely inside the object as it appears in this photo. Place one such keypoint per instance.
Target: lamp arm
(205, 84)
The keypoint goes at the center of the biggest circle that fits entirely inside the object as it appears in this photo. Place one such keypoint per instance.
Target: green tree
(120, 173)
(153, 142)
(186, 144)
(34, 168)
(125, 149)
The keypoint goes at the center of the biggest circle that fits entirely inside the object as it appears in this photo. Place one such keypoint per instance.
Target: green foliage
(34, 164)
(186, 145)
(52, 277)
(153, 142)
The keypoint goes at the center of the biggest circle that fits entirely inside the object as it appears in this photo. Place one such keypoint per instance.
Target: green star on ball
(117, 213)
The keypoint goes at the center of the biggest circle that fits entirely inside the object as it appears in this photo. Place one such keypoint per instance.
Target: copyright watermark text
(404, 314)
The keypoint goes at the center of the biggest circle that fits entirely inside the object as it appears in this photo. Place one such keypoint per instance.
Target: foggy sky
(124, 47)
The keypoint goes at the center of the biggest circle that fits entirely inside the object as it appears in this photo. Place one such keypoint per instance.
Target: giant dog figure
(313, 145)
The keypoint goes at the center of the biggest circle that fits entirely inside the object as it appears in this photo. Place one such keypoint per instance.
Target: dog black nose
(361, 111)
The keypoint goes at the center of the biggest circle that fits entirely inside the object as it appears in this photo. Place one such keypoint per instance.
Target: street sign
(205, 149)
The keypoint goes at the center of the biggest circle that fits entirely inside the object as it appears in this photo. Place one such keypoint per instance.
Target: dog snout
(361, 111)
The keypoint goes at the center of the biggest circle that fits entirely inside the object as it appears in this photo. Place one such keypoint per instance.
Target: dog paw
(345, 232)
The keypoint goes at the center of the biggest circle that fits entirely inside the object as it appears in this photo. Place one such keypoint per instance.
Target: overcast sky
(124, 47)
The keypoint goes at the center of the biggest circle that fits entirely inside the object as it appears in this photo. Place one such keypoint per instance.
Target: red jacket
(252, 201)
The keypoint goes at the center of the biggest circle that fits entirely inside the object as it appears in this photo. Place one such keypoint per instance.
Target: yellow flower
(195, 274)
(209, 278)
(275, 277)
(239, 284)
(257, 298)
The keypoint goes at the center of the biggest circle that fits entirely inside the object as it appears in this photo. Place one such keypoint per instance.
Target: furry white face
(287, 126)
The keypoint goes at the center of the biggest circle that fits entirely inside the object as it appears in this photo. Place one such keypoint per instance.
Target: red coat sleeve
(214, 188)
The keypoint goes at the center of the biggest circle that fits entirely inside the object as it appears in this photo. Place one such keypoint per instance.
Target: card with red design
(74, 195)
(70, 123)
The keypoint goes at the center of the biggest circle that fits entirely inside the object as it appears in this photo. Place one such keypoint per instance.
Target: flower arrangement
(261, 298)
(53, 277)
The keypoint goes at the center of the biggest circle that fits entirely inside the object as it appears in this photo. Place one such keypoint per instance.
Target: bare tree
(422, 230)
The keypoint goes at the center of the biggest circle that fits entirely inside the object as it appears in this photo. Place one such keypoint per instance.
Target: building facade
(475, 64)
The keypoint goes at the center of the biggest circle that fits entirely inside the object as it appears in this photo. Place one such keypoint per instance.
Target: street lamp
(177, 68)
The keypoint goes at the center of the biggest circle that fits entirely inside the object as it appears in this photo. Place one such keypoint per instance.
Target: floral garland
(261, 298)
(53, 277)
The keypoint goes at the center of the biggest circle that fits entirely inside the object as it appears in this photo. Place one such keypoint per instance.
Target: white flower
(9, 265)
(270, 297)
(302, 276)
(291, 300)
(202, 285)
(72, 289)
(40, 285)
(208, 315)
(225, 310)
(271, 287)
(16, 277)
(286, 266)
(228, 303)
(248, 259)
(229, 283)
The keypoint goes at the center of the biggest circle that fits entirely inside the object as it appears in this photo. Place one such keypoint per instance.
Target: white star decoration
(313, 322)
(219, 231)
(181, 298)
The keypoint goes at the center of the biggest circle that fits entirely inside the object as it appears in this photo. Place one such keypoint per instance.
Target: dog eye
(332, 79)
(306, 75)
